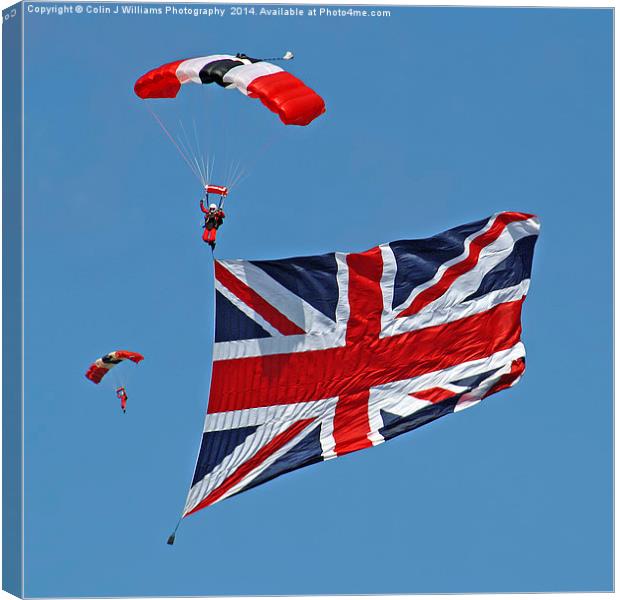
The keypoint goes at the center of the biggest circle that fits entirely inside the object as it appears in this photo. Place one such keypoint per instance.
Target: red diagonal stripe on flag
(247, 467)
(451, 274)
(256, 302)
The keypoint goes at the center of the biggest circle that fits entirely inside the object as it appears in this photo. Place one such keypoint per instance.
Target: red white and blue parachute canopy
(102, 365)
(281, 92)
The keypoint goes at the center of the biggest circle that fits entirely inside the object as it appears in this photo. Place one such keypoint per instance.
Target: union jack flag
(319, 356)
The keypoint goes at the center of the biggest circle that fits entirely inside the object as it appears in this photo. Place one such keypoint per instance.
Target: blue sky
(436, 117)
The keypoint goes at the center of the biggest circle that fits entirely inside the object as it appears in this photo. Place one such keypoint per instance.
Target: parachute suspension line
(238, 173)
(158, 120)
(233, 170)
(226, 177)
(245, 172)
(212, 165)
(200, 154)
(241, 173)
(209, 111)
(198, 148)
(192, 153)
(185, 149)
(197, 156)
(233, 155)
(210, 122)
(207, 157)
(209, 170)
(204, 166)
(188, 154)
(229, 171)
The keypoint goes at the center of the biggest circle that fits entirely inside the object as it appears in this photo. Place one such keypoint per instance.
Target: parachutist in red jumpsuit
(121, 394)
(214, 217)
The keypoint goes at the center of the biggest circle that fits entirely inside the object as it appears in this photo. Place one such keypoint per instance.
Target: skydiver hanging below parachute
(214, 215)
(121, 394)
(102, 366)
(278, 90)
